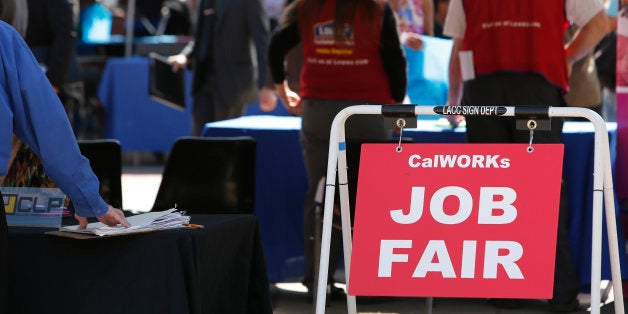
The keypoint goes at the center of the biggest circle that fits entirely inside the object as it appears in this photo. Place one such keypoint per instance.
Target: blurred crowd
(72, 39)
(66, 35)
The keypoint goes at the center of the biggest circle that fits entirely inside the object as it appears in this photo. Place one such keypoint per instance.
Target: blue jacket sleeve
(30, 109)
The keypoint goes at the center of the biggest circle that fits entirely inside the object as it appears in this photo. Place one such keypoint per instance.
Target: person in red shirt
(351, 56)
(512, 53)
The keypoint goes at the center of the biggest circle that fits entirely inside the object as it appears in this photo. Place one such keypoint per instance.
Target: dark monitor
(165, 86)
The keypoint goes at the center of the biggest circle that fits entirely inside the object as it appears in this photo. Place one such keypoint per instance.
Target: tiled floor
(139, 188)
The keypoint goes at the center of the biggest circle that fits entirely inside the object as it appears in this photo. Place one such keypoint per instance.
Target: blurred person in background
(491, 64)
(606, 62)
(15, 13)
(440, 13)
(273, 9)
(293, 64)
(229, 59)
(51, 35)
(585, 89)
(414, 18)
(351, 55)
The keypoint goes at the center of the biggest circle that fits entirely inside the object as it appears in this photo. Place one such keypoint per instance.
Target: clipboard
(165, 86)
(141, 223)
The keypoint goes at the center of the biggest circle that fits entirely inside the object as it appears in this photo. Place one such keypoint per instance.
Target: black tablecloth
(218, 269)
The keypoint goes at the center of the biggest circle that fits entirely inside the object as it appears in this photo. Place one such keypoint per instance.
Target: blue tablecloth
(131, 116)
(281, 184)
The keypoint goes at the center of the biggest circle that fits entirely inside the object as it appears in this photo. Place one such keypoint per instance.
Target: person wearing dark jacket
(51, 34)
(228, 57)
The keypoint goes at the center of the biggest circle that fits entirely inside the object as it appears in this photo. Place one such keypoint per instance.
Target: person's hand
(294, 103)
(412, 40)
(267, 99)
(454, 120)
(290, 99)
(113, 217)
(178, 62)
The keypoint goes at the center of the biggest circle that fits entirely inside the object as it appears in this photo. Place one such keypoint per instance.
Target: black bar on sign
(471, 110)
(531, 112)
(400, 111)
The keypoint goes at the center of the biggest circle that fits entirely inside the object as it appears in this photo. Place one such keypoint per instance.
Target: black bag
(605, 60)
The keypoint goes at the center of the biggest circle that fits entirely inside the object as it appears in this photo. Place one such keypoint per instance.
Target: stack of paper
(169, 219)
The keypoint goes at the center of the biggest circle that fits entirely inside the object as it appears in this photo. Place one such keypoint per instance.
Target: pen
(194, 226)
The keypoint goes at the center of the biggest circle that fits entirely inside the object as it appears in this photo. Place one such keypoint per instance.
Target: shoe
(335, 293)
(568, 307)
(309, 294)
(506, 303)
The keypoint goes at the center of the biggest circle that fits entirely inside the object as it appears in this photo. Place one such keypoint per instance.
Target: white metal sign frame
(602, 189)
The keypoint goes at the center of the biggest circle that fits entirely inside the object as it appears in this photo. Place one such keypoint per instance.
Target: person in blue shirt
(30, 109)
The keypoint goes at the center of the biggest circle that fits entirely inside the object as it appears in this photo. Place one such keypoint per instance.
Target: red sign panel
(456, 220)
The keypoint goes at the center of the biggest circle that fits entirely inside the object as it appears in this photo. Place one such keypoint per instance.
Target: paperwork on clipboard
(151, 221)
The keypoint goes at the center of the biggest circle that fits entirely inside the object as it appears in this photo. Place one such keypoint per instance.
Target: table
(218, 269)
(131, 116)
(281, 184)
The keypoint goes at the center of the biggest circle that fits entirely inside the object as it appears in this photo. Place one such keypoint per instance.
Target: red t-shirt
(343, 71)
(517, 36)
